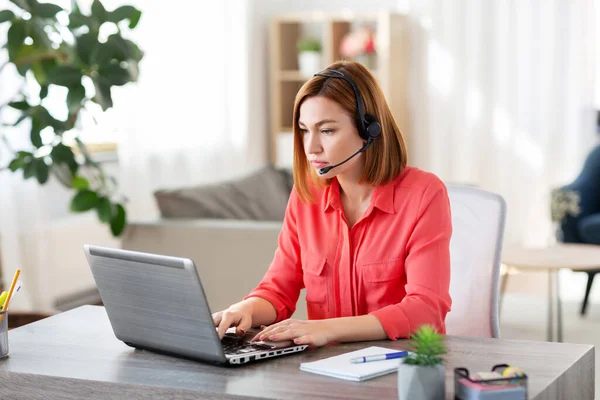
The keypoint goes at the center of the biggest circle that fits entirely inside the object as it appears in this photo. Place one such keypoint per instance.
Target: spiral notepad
(340, 366)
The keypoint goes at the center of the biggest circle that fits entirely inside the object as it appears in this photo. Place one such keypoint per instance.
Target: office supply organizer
(469, 387)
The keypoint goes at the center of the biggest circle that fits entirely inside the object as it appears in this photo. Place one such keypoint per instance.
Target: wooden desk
(74, 355)
(576, 257)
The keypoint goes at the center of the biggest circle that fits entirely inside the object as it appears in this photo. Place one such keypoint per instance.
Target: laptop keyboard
(235, 345)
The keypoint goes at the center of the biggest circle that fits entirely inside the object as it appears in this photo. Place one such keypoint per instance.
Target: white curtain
(22, 207)
(502, 97)
(188, 119)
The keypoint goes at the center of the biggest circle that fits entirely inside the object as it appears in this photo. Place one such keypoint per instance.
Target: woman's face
(330, 136)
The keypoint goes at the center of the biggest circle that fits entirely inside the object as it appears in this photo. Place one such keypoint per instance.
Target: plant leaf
(39, 72)
(125, 12)
(115, 75)
(29, 169)
(38, 34)
(20, 161)
(43, 91)
(77, 20)
(46, 10)
(15, 164)
(62, 154)
(84, 200)
(102, 54)
(34, 134)
(21, 4)
(98, 11)
(85, 46)
(75, 6)
(26, 51)
(427, 345)
(32, 3)
(103, 95)
(80, 183)
(15, 38)
(65, 75)
(115, 48)
(39, 68)
(134, 51)
(118, 221)
(21, 119)
(6, 15)
(74, 97)
(135, 19)
(42, 118)
(20, 105)
(41, 170)
(105, 210)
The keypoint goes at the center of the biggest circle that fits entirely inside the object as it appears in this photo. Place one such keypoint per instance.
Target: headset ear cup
(373, 127)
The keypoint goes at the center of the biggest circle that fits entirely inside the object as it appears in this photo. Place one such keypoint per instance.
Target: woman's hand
(315, 332)
(238, 315)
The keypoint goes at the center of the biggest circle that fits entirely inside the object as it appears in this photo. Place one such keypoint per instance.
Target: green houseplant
(309, 55)
(309, 44)
(421, 375)
(48, 46)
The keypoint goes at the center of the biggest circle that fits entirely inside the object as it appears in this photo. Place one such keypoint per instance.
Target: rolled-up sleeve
(427, 266)
(283, 281)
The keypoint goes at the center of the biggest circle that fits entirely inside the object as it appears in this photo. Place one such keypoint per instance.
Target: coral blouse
(394, 263)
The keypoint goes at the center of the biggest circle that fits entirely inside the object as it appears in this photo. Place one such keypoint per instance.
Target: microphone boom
(325, 170)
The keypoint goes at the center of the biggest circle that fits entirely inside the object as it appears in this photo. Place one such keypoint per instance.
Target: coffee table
(576, 257)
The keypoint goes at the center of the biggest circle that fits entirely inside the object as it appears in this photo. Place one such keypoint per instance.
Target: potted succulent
(421, 375)
(309, 56)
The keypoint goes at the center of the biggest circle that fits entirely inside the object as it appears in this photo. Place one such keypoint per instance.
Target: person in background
(367, 236)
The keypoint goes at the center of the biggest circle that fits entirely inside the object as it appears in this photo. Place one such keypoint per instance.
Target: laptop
(157, 303)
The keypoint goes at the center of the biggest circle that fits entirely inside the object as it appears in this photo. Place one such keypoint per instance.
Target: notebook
(340, 366)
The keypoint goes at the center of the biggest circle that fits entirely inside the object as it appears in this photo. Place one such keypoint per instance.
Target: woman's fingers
(267, 332)
(244, 324)
(277, 329)
(284, 334)
(306, 339)
(217, 318)
(301, 332)
(228, 320)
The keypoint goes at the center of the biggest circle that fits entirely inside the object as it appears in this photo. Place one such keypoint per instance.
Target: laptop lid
(155, 302)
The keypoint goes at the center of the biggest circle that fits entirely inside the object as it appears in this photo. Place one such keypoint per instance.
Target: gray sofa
(229, 229)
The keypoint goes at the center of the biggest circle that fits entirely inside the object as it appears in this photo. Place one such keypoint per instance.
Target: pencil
(12, 288)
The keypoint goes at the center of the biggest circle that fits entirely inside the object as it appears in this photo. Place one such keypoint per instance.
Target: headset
(368, 127)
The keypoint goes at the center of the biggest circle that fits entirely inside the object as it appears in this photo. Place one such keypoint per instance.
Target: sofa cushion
(262, 195)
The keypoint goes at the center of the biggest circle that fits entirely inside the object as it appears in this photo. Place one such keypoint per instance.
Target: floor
(521, 318)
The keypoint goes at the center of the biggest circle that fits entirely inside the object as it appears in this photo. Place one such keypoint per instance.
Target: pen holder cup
(3, 334)
(468, 387)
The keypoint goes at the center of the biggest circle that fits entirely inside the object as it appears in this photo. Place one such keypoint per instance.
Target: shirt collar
(383, 197)
(332, 196)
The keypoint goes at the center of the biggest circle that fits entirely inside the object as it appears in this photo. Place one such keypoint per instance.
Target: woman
(367, 235)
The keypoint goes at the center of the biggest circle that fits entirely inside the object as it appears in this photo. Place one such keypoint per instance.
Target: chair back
(478, 219)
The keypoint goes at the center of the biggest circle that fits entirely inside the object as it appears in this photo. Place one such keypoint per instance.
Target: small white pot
(421, 383)
(309, 62)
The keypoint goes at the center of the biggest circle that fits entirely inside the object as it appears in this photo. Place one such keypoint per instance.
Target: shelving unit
(390, 66)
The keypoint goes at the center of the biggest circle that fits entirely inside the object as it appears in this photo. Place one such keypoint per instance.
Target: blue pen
(379, 357)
